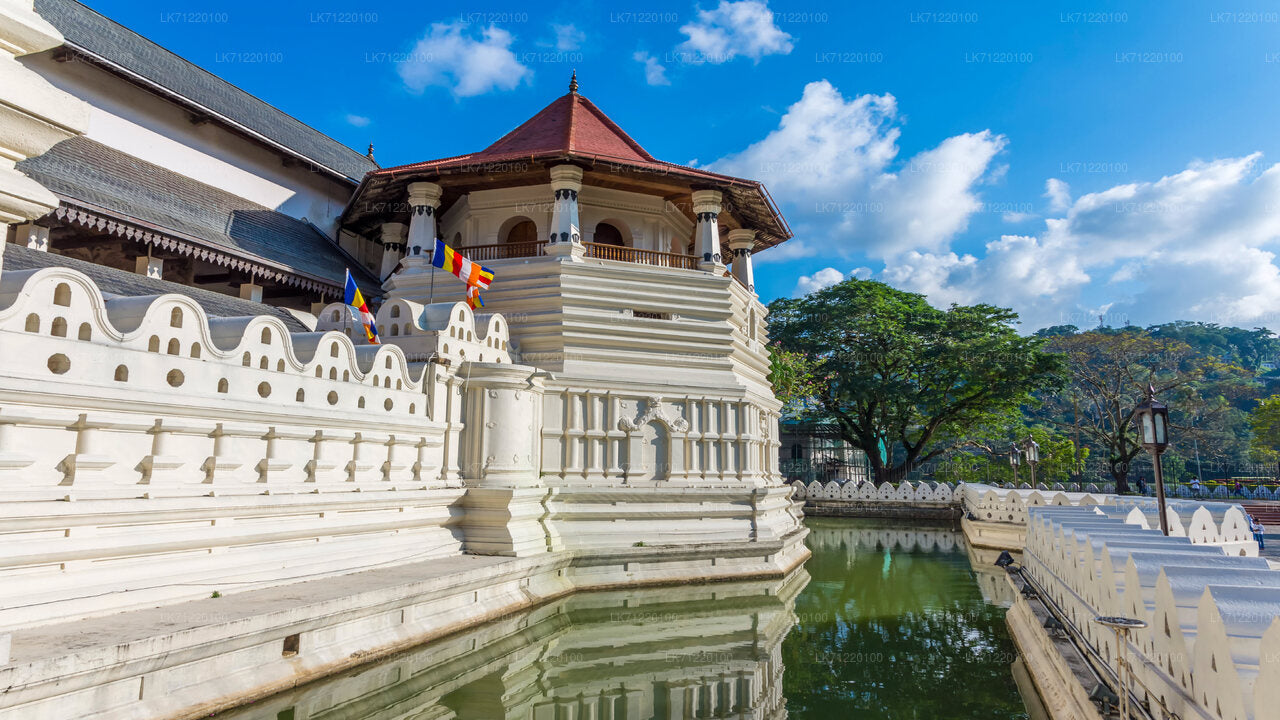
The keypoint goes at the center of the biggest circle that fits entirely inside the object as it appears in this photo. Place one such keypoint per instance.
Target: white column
(706, 206)
(565, 239)
(741, 243)
(393, 242)
(501, 448)
(424, 198)
(152, 267)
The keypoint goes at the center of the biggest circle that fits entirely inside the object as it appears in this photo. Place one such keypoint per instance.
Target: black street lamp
(1032, 450)
(1013, 462)
(1153, 431)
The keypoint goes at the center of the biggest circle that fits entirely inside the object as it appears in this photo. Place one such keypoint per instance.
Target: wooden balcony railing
(642, 257)
(507, 251)
(502, 251)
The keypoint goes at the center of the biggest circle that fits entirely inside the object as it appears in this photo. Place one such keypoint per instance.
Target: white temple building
(212, 488)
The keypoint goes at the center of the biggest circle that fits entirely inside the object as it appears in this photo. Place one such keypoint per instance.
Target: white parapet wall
(154, 458)
(149, 453)
(1213, 616)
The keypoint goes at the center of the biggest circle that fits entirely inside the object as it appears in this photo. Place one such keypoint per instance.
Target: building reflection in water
(889, 622)
(702, 651)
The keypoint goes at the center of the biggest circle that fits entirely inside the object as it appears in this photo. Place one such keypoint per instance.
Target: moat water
(881, 623)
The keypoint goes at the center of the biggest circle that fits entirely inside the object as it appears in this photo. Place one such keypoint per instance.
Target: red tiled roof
(570, 125)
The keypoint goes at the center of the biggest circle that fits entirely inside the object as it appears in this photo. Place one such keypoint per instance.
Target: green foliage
(1265, 423)
(893, 372)
(794, 381)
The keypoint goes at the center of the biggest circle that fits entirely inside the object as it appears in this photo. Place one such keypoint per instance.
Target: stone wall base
(882, 509)
(219, 653)
(997, 536)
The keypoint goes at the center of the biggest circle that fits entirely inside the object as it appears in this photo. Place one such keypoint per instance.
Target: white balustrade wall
(1211, 649)
(149, 453)
(933, 493)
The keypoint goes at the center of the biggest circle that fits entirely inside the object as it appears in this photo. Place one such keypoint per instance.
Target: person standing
(1258, 531)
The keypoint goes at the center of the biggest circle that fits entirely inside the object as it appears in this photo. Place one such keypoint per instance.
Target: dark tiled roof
(112, 281)
(86, 29)
(84, 171)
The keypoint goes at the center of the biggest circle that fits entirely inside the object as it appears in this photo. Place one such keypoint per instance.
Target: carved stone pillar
(741, 243)
(393, 244)
(706, 207)
(424, 198)
(503, 408)
(566, 234)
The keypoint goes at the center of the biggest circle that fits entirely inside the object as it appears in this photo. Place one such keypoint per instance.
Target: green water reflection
(892, 625)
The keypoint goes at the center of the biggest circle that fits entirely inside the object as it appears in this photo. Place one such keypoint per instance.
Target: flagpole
(431, 293)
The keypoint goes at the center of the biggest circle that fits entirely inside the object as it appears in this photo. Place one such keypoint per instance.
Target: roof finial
(573, 82)
(370, 155)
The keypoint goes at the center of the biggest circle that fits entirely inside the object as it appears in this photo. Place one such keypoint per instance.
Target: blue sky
(1067, 160)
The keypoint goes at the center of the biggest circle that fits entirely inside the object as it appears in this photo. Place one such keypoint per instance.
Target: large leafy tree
(1110, 372)
(902, 380)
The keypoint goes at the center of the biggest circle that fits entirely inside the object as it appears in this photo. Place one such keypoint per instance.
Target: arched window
(608, 234)
(518, 230)
(86, 332)
(395, 311)
(62, 295)
(175, 318)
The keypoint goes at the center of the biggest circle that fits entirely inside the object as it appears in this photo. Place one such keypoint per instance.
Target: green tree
(792, 376)
(1109, 374)
(1265, 422)
(906, 382)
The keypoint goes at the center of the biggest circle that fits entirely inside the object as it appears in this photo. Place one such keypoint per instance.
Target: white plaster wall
(141, 124)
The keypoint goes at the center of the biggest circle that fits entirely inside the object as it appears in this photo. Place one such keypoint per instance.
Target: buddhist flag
(473, 297)
(356, 300)
(448, 259)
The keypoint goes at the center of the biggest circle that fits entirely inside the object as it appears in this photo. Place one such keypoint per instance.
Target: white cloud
(841, 156)
(738, 28)
(449, 56)
(1196, 245)
(654, 72)
(1059, 194)
(357, 120)
(824, 278)
(568, 37)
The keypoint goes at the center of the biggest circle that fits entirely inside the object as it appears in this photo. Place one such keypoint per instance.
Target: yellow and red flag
(356, 300)
(476, 276)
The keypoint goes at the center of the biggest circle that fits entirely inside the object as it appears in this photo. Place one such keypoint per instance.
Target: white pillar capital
(566, 177)
(424, 198)
(393, 244)
(742, 239)
(741, 243)
(707, 201)
(394, 233)
(425, 193)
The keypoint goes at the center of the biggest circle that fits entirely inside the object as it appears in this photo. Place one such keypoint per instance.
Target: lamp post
(1122, 626)
(1153, 431)
(1032, 450)
(1013, 462)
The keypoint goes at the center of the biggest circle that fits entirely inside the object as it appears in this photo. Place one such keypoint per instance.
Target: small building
(814, 450)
